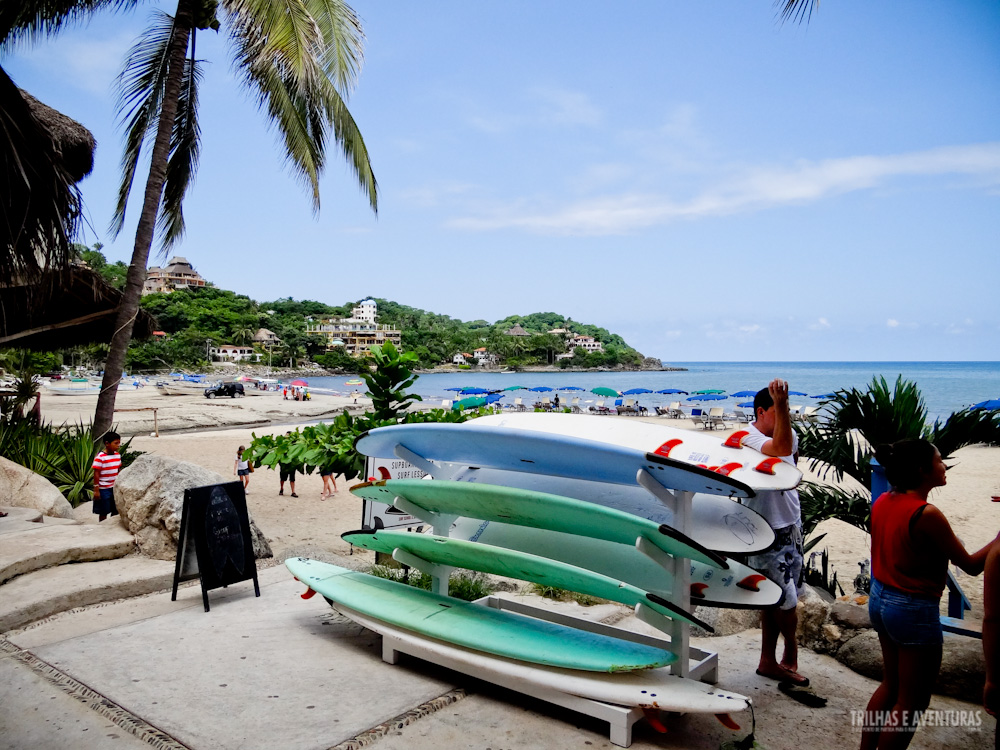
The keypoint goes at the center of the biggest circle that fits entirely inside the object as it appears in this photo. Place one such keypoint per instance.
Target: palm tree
(842, 443)
(296, 57)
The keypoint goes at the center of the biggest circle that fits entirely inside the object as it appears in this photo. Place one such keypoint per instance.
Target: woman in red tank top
(912, 544)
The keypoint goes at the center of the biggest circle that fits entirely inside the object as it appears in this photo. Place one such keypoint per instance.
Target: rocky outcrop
(150, 498)
(725, 621)
(24, 488)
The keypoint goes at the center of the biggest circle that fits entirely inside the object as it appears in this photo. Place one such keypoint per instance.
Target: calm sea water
(946, 386)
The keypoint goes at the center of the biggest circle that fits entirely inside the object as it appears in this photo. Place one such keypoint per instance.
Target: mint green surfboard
(474, 626)
(514, 564)
(539, 510)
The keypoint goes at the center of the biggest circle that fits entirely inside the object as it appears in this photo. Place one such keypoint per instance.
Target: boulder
(725, 621)
(23, 488)
(813, 611)
(150, 497)
(863, 654)
(850, 614)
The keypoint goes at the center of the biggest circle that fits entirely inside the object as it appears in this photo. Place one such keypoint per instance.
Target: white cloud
(747, 189)
(545, 107)
(892, 323)
(820, 325)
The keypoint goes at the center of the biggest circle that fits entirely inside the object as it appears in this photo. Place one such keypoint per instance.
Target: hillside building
(356, 334)
(177, 274)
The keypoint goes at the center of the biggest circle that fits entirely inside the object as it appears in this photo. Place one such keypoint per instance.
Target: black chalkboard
(215, 543)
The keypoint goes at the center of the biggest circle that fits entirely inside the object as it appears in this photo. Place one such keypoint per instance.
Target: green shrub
(467, 585)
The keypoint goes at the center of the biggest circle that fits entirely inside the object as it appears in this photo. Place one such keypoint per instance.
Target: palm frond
(140, 88)
(820, 502)
(881, 415)
(965, 427)
(293, 56)
(797, 10)
(185, 148)
(27, 22)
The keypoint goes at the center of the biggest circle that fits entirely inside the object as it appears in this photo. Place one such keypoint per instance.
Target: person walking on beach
(771, 433)
(991, 635)
(106, 466)
(912, 544)
(242, 468)
(327, 474)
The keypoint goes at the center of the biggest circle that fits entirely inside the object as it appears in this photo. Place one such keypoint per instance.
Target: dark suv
(233, 390)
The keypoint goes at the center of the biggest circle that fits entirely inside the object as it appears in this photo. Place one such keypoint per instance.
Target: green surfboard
(514, 564)
(474, 626)
(538, 510)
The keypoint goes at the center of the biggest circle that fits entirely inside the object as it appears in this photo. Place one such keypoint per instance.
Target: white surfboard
(537, 452)
(650, 688)
(747, 465)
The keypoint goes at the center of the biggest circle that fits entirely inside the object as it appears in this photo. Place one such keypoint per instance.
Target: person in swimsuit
(912, 545)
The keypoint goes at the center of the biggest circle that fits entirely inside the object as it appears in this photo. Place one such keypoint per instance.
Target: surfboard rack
(703, 665)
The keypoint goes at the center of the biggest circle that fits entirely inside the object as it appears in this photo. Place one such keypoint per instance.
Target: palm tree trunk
(136, 277)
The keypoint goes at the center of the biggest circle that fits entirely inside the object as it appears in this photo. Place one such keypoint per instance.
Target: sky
(700, 178)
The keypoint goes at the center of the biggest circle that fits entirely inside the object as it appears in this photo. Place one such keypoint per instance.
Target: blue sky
(705, 181)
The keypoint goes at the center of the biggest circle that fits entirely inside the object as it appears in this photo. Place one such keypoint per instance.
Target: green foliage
(63, 455)
(388, 383)
(464, 584)
(853, 422)
(113, 273)
(562, 595)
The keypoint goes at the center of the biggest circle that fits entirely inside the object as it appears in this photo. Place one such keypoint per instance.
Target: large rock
(24, 488)
(150, 498)
(725, 621)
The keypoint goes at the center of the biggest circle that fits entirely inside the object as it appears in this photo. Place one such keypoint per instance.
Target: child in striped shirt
(106, 467)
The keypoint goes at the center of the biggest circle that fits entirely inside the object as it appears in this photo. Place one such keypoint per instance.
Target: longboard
(650, 688)
(690, 447)
(716, 523)
(710, 586)
(515, 564)
(538, 452)
(537, 509)
(474, 626)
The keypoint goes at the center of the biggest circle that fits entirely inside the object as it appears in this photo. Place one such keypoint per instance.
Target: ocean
(946, 386)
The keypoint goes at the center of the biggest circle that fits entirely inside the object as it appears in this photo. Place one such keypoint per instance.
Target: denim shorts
(105, 504)
(905, 619)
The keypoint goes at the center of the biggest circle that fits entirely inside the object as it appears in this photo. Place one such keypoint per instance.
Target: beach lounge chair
(676, 412)
(574, 406)
(742, 415)
(662, 411)
(519, 405)
(809, 414)
(628, 407)
(700, 418)
(716, 418)
(600, 408)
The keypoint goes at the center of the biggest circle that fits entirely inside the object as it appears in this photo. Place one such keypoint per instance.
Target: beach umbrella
(473, 391)
(540, 389)
(515, 388)
(797, 393)
(746, 405)
(299, 382)
(570, 388)
(707, 397)
(635, 391)
(825, 395)
(672, 390)
(453, 389)
(602, 391)
(743, 394)
(707, 392)
(469, 403)
(992, 405)
(356, 381)
(493, 398)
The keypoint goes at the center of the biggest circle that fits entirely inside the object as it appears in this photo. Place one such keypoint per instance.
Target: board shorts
(105, 504)
(243, 472)
(905, 619)
(782, 563)
(326, 473)
(287, 475)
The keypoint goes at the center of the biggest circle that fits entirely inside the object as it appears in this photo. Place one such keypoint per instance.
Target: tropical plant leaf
(185, 149)
(820, 502)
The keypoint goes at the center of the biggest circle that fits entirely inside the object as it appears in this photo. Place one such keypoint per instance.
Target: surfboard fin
(752, 582)
(736, 439)
(664, 450)
(698, 590)
(653, 717)
(767, 465)
(727, 721)
(309, 594)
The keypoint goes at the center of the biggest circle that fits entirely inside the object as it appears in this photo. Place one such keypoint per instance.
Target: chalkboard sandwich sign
(215, 543)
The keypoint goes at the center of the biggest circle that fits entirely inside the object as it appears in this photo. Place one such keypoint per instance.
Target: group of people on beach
(912, 546)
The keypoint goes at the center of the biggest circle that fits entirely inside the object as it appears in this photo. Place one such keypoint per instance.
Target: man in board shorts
(772, 434)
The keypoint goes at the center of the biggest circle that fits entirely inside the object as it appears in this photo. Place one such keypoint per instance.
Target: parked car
(233, 390)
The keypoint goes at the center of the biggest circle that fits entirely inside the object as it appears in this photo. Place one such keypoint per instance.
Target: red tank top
(896, 561)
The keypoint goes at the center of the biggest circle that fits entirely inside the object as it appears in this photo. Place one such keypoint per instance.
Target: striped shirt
(106, 467)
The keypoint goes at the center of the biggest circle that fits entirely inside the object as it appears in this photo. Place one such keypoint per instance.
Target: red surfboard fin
(653, 717)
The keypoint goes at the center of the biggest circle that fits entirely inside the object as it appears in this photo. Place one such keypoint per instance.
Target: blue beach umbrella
(540, 389)
(797, 393)
(453, 389)
(992, 405)
(746, 405)
(635, 391)
(708, 397)
(473, 391)
(672, 390)
(493, 398)
(825, 395)
(745, 394)
(570, 388)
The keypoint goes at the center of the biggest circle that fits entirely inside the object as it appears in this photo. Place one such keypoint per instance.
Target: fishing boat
(76, 387)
